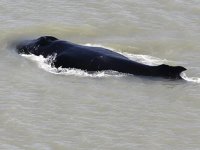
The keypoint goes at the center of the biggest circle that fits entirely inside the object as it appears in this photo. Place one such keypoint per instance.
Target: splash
(190, 79)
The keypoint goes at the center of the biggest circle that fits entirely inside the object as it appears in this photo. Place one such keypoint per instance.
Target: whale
(89, 58)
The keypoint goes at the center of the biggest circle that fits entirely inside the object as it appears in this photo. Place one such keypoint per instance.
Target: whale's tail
(172, 72)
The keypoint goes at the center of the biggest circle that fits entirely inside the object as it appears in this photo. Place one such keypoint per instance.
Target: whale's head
(32, 46)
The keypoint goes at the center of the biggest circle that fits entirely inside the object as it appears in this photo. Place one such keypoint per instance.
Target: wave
(190, 79)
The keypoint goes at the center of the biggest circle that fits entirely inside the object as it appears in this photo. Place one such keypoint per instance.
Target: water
(41, 109)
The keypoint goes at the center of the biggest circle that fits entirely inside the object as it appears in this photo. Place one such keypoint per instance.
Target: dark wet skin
(70, 55)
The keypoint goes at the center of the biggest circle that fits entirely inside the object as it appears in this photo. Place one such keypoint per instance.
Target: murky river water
(74, 110)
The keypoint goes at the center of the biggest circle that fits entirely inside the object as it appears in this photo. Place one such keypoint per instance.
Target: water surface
(43, 110)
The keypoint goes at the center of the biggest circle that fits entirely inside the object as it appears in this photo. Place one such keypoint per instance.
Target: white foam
(190, 79)
(145, 59)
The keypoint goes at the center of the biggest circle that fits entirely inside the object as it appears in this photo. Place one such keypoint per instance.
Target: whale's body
(70, 55)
